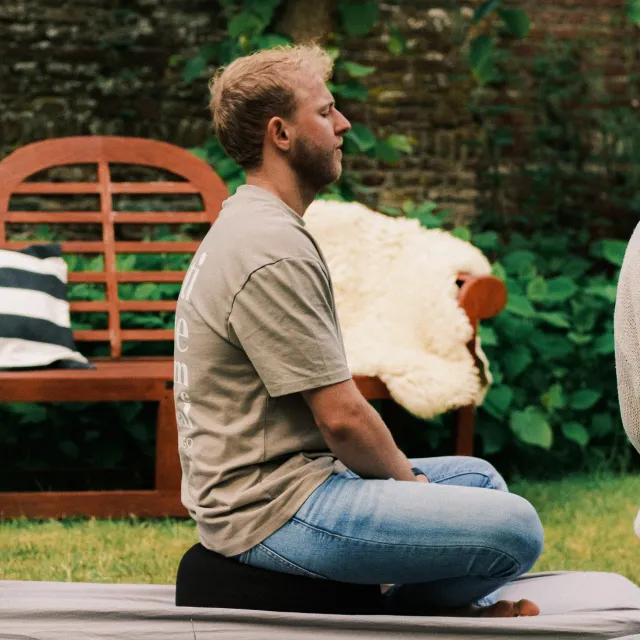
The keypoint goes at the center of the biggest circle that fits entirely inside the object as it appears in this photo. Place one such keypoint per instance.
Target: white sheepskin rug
(397, 302)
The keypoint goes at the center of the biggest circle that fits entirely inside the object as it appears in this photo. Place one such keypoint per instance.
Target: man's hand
(422, 479)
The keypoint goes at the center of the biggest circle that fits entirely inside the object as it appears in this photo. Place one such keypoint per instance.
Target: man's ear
(278, 133)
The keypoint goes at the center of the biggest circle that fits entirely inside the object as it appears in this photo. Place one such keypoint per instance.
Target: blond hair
(251, 90)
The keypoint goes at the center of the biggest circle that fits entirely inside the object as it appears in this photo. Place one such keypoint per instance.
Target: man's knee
(493, 479)
(520, 533)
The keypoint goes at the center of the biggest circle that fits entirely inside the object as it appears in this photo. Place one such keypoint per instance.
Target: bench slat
(75, 217)
(153, 187)
(57, 187)
(75, 246)
(159, 217)
(123, 305)
(58, 217)
(94, 187)
(128, 276)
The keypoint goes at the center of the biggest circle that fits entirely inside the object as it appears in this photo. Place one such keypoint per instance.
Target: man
(285, 464)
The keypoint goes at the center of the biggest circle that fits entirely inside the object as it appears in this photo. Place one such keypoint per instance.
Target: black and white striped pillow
(35, 324)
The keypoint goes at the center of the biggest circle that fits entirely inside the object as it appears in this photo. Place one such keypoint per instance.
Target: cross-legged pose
(286, 466)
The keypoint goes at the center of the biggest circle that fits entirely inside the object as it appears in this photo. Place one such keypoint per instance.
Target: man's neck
(289, 191)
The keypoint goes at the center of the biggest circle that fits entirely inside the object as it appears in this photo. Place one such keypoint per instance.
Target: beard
(316, 166)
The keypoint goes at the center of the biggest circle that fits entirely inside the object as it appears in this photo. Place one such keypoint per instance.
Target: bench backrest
(103, 152)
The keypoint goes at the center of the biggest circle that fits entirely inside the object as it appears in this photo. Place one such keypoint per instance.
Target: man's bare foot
(501, 609)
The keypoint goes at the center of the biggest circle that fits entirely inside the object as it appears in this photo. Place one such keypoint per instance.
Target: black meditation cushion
(207, 579)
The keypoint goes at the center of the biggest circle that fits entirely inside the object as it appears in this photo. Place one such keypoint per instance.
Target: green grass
(588, 524)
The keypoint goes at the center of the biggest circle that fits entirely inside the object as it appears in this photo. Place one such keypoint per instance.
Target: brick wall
(78, 67)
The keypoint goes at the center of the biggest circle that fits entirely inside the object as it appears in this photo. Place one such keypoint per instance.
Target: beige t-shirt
(256, 324)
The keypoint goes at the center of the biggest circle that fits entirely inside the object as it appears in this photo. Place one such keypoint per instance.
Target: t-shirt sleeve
(284, 320)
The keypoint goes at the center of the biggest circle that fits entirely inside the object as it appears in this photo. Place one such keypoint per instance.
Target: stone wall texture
(81, 67)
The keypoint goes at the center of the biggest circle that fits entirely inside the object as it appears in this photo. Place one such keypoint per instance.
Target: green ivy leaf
(271, 41)
(488, 336)
(193, 68)
(30, 413)
(606, 291)
(356, 70)
(400, 142)
(555, 319)
(584, 399)
(516, 21)
(264, 9)
(493, 436)
(351, 90)
(601, 425)
(387, 153)
(531, 426)
(146, 291)
(520, 306)
(633, 11)
(521, 262)
(397, 44)
(516, 360)
(537, 289)
(561, 288)
(604, 344)
(613, 251)
(554, 397)
(246, 23)
(498, 400)
(200, 152)
(575, 432)
(551, 346)
(362, 137)
(579, 338)
(484, 9)
(498, 271)
(462, 233)
(358, 18)
(480, 48)
(481, 59)
(487, 241)
(575, 267)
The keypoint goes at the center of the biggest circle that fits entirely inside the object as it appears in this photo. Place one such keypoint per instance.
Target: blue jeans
(452, 542)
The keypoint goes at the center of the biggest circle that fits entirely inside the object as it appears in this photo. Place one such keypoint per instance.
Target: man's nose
(342, 124)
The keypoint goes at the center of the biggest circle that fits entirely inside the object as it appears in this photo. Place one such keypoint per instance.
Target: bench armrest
(481, 297)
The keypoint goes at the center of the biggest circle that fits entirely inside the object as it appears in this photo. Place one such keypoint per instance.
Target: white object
(397, 302)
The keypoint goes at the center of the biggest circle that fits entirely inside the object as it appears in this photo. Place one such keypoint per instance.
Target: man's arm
(356, 434)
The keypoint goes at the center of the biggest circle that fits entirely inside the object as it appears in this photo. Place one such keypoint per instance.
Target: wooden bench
(118, 378)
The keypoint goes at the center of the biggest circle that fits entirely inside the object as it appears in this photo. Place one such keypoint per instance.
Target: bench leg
(465, 417)
(168, 472)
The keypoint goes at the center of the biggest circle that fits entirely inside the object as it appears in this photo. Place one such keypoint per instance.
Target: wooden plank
(160, 217)
(147, 305)
(74, 246)
(153, 187)
(146, 335)
(91, 335)
(150, 276)
(61, 217)
(167, 465)
(371, 388)
(99, 504)
(99, 387)
(156, 247)
(57, 187)
(127, 335)
(128, 276)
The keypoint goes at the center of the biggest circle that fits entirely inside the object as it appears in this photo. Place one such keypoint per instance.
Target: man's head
(273, 106)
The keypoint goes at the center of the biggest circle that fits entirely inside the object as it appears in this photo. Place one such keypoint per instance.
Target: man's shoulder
(261, 235)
